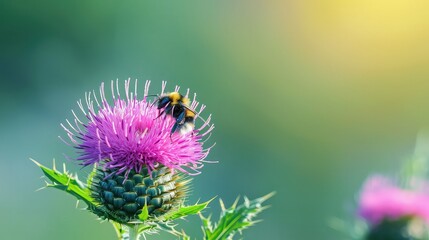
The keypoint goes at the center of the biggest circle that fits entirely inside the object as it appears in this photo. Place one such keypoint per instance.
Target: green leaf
(207, 225)
(147, 227)
(170, 228)
(118, 229)
(145, 213)
(234, 219)
(66, 182)
(184, 211)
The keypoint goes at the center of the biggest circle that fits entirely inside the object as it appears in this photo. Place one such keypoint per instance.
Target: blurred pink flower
(381, 198)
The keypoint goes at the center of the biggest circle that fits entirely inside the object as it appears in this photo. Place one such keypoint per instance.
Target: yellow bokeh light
(363, 35)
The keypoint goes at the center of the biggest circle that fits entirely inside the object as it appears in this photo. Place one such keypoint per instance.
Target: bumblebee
(177, 106)
(173, 101)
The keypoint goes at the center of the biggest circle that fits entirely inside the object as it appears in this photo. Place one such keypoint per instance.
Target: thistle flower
(381, 198)
(134, 182)
(393, 211)
(127, 134)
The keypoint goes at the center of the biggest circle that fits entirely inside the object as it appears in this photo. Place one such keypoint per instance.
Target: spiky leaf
(66, 182)
(170, 228)
(184, 211)
(233, 219)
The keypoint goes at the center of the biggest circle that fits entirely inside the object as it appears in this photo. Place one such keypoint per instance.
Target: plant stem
(118, 229)
(130, 232)
(133, 232)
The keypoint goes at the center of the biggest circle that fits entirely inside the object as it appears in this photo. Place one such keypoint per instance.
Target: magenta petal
(128, 135)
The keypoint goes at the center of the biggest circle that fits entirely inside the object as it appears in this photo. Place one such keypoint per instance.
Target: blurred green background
(308, 98)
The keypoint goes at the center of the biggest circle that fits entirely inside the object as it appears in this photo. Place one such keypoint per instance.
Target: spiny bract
(122, 199)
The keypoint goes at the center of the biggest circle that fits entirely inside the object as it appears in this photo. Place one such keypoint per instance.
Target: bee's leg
(169, 110)
(156, 101)
(166, 110)
(181, 118)
(159, 115)
(175, 126)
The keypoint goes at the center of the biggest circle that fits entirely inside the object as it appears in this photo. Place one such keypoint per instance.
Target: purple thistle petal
(127, 134)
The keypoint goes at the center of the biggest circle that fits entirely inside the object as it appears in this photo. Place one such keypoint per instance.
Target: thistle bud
(122, 198)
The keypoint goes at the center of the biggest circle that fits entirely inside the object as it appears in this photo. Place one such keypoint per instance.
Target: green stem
(127, 232)
(118, 229)
(133, 232)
